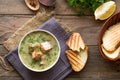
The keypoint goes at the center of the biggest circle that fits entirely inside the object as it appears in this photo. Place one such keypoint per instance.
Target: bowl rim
(58, 56)
(101, 33)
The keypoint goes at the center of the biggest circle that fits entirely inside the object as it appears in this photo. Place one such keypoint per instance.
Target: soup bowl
(47, 59)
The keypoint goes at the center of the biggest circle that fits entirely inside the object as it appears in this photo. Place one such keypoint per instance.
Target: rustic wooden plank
(3, 50)
(14, 7)
(9, 24)
(11, 78)
(18, 78)
(87, 26)
(96, 67)
(63, 8)
(4, 73)
(118, 5)
(81, 79)
(19, 7)
(89, 79)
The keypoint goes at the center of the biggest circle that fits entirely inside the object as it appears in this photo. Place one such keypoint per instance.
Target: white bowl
(36, 70)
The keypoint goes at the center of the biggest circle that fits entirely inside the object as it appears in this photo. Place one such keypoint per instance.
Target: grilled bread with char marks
(77, 59)
(76, 42)
(112, 56)
(111, 38)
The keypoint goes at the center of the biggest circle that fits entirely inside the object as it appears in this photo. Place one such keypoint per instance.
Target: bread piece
(77, 59)
(112, 56)
(76, 42)
(111, 38)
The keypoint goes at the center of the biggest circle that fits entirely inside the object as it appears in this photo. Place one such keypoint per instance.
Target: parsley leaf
(88, 4)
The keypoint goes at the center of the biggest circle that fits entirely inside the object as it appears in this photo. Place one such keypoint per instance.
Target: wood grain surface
(14, 13)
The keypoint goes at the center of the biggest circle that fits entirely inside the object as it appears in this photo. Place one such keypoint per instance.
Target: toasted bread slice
(76, 42)
(77, 59)
(112, 56)
(111, 38)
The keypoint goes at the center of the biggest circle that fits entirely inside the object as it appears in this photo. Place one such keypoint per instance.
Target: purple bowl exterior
(111, 21)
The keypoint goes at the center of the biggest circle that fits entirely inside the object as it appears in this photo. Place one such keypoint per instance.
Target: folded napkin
(57, 72)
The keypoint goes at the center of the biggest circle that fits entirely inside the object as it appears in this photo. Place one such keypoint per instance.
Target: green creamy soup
(38, 37)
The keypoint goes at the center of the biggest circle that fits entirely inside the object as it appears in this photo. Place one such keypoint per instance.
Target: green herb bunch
(88, 4)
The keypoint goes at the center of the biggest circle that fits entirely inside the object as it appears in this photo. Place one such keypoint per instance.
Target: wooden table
(14, 13)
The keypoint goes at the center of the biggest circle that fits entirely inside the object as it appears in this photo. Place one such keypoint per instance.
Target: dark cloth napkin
(58, 72)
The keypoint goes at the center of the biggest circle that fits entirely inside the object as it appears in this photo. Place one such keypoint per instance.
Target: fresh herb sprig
(88, 4)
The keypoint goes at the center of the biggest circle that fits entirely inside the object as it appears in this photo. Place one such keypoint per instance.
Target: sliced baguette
(112, 56)
(75, 42)
(77, 59)
(111, 38)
